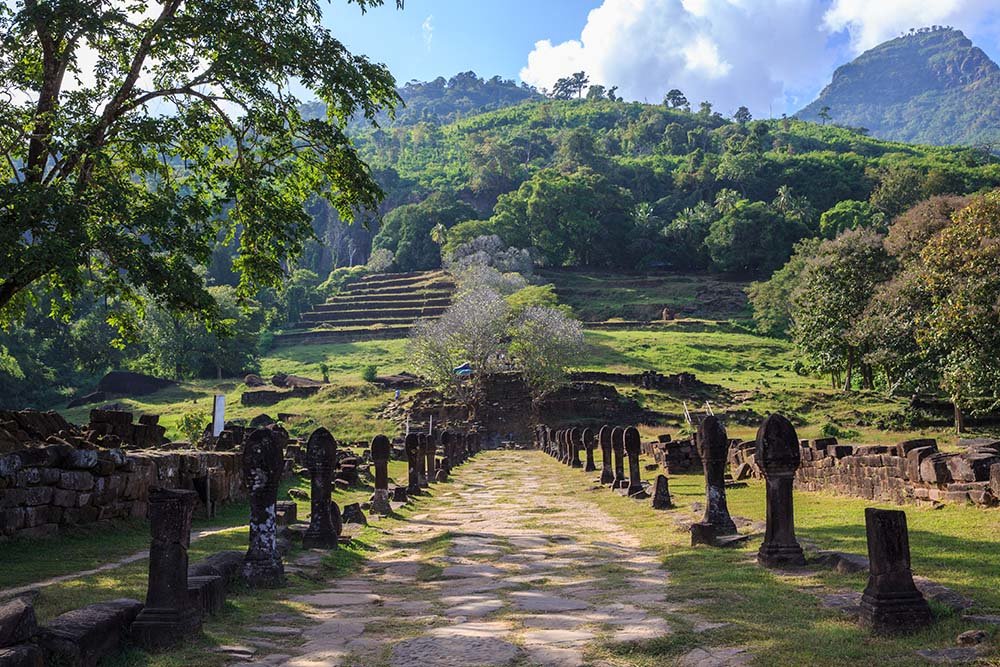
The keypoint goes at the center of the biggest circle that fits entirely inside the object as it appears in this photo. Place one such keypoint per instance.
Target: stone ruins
(891, 603)
(778, 457)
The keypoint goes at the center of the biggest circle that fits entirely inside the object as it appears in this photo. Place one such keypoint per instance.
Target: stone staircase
(376, 307)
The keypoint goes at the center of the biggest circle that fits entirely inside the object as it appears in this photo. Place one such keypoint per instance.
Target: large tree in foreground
(135, 135)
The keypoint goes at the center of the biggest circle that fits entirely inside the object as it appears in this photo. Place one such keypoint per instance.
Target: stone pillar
(412, 447)
(541, 434)
(168, 617)
(422, 460)
(891, 603)
(588, 445)
(321, 455)
(560, 447)
(713, 446)
(381, 450)
(430, 452)
(263, 464)
(618, 449)
(575, 444)
(448, 451)
(633, 447)
(604, 441)
(661, 496)
(778, 456)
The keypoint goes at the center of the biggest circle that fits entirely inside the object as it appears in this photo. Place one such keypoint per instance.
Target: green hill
(930, 86)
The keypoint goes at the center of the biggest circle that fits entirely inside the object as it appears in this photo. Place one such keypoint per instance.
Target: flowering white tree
(544, 342)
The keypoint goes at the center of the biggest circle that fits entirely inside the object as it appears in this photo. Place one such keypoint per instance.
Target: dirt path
(506, 567)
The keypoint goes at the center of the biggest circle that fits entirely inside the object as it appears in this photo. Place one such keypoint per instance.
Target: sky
(774, 56)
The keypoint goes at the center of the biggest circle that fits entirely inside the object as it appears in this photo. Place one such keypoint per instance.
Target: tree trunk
(849, 376)
(959, 419)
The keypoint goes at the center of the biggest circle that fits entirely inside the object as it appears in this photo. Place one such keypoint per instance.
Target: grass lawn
(754, 373)
(777, 615)
(27, 561)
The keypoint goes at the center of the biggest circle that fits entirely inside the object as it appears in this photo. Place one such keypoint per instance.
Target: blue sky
(772, 55)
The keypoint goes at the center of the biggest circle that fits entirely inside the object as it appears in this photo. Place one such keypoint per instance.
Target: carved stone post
(618, 449)
(262, 467)
(604, 440)
(381, 450)
(891, 603)
(169, 616)
(448, 449)
(412, 447)
(588, 445)
(778, 456)
(713, 446)
(575, 444)
(321, 453)
(633, 446)
(661, 496)
(422, 460)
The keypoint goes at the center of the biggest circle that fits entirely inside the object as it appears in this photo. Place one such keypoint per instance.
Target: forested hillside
(594, 182)
(604, 183)
(932, 86)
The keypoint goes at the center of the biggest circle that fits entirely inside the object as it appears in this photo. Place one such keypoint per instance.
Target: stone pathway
(505, 567)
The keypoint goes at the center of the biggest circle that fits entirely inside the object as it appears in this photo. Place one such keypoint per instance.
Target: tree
(580, 218)
(675, 99)
(705, 109)
(184, 129)
(742, 116)
(596, 92)
(406, 230)
(439, 234)
(771, 299)
(751, 238)
(850, 214)
(834, 289)
(899, 188)
(961, 329)
(570, 86)
(544, 342)
(824, 114)
(913, 228)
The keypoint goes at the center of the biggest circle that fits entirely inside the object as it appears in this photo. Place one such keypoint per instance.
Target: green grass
(776, 616)
(347, 407)
(755, 374)
(596, 296)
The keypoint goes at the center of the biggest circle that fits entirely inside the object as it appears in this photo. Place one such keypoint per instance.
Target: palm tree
(439, 234)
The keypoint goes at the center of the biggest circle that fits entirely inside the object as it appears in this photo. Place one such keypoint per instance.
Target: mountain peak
(931, 85)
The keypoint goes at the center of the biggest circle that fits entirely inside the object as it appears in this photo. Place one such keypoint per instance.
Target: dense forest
(591, 182)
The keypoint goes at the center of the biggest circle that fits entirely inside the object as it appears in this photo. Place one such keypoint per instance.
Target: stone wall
(912, 471)
(48, 487)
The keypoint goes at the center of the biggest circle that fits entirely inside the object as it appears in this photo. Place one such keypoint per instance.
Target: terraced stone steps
(377, 307)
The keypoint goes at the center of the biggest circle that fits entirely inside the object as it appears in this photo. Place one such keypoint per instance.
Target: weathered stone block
(934, 469)
(83, 636)
(11, 520)
(38, 495)
(22, 655)
(81, 459)
(905, 447)
(76, 480)
(17, 622)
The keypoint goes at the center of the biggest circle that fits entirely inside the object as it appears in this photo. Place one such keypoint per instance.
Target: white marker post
(218, 415)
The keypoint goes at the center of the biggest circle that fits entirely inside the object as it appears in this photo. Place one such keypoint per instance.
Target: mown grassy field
(748, 373)
(596, 296)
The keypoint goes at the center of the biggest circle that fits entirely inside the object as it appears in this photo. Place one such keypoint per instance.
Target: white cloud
(427, 29)
(871, 23)
(731, 52)
(771, 55)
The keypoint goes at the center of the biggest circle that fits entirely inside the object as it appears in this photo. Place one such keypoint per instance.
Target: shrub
(369, 373)
(192, 426)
